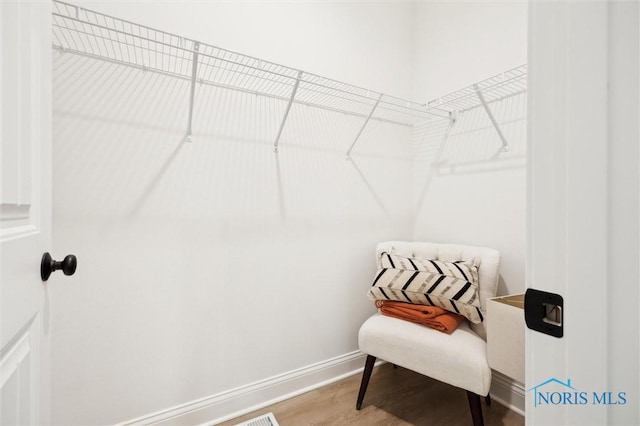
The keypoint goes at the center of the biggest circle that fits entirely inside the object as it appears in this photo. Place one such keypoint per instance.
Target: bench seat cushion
(458, 359)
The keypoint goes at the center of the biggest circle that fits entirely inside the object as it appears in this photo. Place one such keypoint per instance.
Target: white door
(583, 213)
(25, 211)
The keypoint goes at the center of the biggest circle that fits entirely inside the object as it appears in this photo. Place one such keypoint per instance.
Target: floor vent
(265, 420)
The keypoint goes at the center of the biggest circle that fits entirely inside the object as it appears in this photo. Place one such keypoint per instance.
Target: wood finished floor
(395, 396)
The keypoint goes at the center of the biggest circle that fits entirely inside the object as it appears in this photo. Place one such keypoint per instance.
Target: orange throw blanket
(431, 316)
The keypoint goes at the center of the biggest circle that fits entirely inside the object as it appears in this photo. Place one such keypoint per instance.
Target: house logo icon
(541, 397)
(556, 392)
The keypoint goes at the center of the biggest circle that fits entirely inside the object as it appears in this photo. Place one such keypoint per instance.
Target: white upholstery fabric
(459, 358)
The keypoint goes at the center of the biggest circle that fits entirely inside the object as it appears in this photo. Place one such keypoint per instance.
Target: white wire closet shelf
(108, 38)
(499, 87)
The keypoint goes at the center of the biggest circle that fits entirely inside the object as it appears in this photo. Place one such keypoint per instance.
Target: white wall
(209, 265)
(459, 43)
(473, 196)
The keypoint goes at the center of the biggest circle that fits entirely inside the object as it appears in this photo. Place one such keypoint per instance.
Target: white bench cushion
(458, 359)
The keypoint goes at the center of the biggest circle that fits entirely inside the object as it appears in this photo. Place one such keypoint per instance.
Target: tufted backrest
(488, 258)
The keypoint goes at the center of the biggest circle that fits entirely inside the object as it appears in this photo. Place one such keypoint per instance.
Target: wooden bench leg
(366, 375)
(476, 408)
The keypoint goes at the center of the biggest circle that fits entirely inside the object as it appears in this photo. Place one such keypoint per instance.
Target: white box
(505, 335)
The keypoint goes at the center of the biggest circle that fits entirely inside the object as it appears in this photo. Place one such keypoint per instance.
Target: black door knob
(48, 265)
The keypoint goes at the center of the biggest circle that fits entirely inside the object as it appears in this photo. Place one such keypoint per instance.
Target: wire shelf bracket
(194, 75)
(363, 126)
(497, 88)
(481, 95)
(505, 144)
(286, 111)
(453, 118)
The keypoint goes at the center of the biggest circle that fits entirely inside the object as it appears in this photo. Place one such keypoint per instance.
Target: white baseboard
(227, 405)
(508, 392)
(236, 402)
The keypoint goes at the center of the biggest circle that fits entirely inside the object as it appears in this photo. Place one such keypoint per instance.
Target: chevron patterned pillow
(450, 285)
